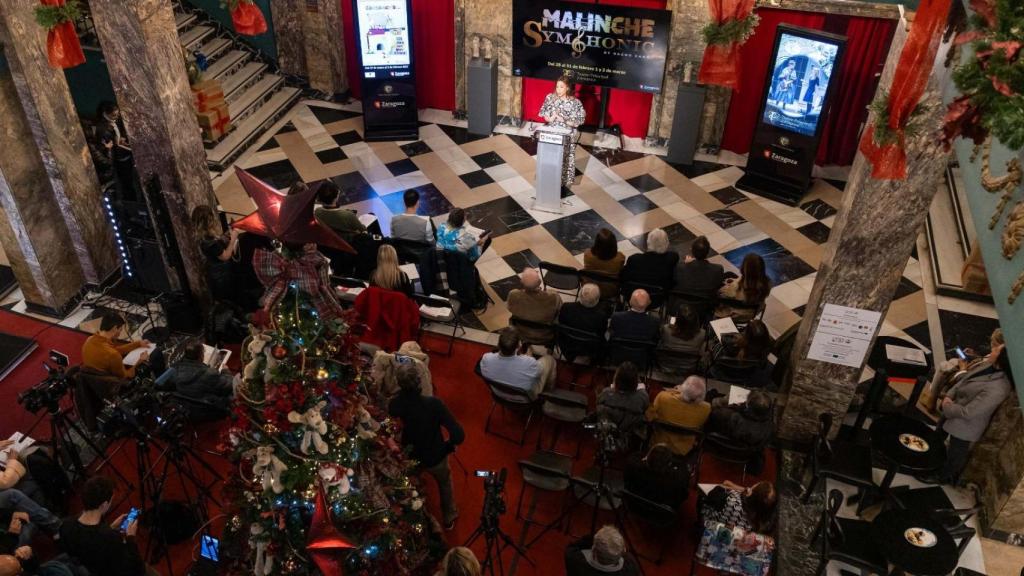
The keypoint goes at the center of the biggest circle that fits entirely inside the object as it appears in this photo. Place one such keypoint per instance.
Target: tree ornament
(63, 49)
(314, 426)
(279, 352)
(326, 544)
(268, 468)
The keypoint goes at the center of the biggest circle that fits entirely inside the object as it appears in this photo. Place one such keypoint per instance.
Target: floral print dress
(571, 115)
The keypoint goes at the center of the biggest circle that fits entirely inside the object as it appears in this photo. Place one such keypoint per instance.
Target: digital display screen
(385, 47)
(801, 72)
(210, 548)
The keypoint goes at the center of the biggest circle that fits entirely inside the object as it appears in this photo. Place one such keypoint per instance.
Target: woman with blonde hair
(387, 274)
(459, 561)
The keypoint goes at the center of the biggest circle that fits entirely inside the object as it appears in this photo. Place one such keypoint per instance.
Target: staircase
(256, 95)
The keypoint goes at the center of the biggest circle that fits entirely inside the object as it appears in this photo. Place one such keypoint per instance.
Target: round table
(896, 438)
(935, 554)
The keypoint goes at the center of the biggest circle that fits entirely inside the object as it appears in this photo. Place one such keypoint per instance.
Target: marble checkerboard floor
(631, 193)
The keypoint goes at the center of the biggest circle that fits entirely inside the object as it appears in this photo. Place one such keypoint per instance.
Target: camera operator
(604, 553)
(99, 352)
(423, 417)
(100, 548)
(194, 380)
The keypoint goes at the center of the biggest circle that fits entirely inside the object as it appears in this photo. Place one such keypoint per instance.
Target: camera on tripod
(609, 439)
(494, 500)
(142, 413)
(47, 394)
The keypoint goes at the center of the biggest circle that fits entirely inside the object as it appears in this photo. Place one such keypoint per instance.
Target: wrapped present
(206, 91)
(211, 104)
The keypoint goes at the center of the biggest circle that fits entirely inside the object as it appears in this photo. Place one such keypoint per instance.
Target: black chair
(934, 500)
(656, 292)
(693, 360)
(439, 310)
(571, 343)
(843, 461)
(561, 407)
(639, 352)
(728, 450)
(563, 279)
(463, 279)
(848, 541)
(424, 256)
(526, 338)
(346, 289)
(757, 309)
(601, 279)
(546, 471)
(410, 251)
(664, 518)
(734, 370)
(510, 399)
(691, 459)
(701, 304)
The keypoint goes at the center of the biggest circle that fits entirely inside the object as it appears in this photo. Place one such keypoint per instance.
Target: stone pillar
(56, 139)
(288, 36)
(686, 44)
(35, 241)
(324, 39)
(140, 44)
(490, 22)
(996, 466)
(873, 236)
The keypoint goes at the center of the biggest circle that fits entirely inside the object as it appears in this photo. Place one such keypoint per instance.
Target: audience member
(751, 288)
(384, 369)
(634, 324)
(343, 221)
(387, 274)
(100, 548)
(684, 406)
(16, 501)
(511, 367)
(655, 267)
(753, 344)
(748, 424)
(967, 408)
(604, 257)
(625, 401)
(410, 226)
(16, 553)
(423, 418)
(659, 477)
(604, 553)
(218, 249)
(99, 352)
(751, 509)
(584, 315)
(459, 561)
(695, 275)
(192, 378)
(534, 304)
(682, 343)
(456, 235)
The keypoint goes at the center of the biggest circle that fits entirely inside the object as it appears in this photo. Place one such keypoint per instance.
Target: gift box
(210, 104)
(206, 91)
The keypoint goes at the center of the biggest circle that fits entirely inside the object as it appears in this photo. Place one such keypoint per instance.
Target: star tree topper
(326, 545)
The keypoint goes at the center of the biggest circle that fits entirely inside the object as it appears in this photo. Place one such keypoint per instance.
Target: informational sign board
(597, 44)
(384, 45)
(843, 335)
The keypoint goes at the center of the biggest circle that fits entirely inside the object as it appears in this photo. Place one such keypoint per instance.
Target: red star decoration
(284, 217)
(326, 545)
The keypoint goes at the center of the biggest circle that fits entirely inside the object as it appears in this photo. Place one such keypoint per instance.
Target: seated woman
(384, 369)
(751, 289)
(220, 251)
(604, 257)
(753, 344)
(751, 509)
(387, 274)
(659, 477)
(681, 339)
(624, 402)
(456, 235)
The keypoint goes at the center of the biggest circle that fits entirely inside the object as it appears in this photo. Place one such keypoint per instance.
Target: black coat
(650, 268)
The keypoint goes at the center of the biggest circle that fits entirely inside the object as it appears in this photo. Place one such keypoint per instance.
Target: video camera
(48, 393)
(143, 412)
(494, 501)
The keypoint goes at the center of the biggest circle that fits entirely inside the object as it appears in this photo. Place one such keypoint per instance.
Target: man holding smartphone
(99, 547)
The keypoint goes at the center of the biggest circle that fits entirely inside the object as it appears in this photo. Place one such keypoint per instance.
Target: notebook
(21, 442)
(904, 355)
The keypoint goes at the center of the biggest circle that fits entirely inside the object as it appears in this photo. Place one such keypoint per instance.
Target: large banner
(613, 46)
(384, 42)
(796, 96)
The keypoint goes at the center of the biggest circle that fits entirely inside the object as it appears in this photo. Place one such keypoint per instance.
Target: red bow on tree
(308, 273)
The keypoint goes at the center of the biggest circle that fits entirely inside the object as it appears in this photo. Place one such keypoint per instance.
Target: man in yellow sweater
(100, 353)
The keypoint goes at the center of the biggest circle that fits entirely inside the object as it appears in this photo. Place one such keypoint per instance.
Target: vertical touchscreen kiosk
(384, 44)
(798, 87)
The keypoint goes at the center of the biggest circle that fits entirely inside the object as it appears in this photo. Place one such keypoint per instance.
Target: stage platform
(13, 351)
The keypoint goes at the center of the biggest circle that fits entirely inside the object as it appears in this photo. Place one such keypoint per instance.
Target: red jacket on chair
(391, 317)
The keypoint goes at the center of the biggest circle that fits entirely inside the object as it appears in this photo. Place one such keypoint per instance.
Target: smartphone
(960, 353)
(132, 516)
(209, 548)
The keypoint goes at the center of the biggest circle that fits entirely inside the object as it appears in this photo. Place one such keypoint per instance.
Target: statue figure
(474, 47)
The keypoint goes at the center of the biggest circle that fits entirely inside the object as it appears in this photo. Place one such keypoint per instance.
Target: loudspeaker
(686, 119)
(482, 96)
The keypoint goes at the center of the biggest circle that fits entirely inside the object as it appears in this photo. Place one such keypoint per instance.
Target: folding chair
(510, 399)
(561, 279)
(440, 310)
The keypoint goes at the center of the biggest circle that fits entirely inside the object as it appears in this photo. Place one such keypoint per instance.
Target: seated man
(684, 406)
(21, 506)
(101, 354)
(16, 554)
(100, 548)
(604, 553)
(655, 267)
(508, 366)
(584, 315)
(634, 324)
(343, 221)
(409, 225)
(748, 424)
(695, 275)
(534, 304)
(192, 378)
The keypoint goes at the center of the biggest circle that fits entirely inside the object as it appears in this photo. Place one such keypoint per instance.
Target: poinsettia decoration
(732, 23)
(63, 49)
(991, 82)
(246, 17)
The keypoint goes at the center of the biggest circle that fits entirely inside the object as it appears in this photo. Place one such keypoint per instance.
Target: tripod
(64, 449)
(496, 540)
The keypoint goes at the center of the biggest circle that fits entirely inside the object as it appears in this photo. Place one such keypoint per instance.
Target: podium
(551, 143)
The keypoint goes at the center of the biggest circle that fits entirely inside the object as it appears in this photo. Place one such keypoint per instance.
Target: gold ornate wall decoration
(1013, 230)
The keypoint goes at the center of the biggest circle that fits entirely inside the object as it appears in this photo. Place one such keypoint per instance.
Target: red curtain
(862, 65)
(433, 30)
(629, 109)
(755, 53)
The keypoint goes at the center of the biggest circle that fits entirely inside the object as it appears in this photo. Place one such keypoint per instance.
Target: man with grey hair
(684, 406)
(655, 267)
(534, 304)
(636, 323)
(584, 315)
(604, 553)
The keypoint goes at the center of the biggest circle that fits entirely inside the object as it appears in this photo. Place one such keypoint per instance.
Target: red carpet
(468, 399)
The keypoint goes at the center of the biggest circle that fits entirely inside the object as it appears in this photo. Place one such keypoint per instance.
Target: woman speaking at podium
(563, 109)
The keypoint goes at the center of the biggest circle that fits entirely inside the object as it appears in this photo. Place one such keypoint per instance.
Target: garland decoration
(732, 23)
(734, 30)
(991, 83)
(883, 135)
(246, 17)
(63, 50)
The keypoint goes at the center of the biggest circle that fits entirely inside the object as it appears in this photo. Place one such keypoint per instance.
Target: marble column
(140, 44)
(874, 233)
(686, 44)
(324, 40)
(288, 36)
(996, 466)
(55, 132)
(490, 23)
(35, 241)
